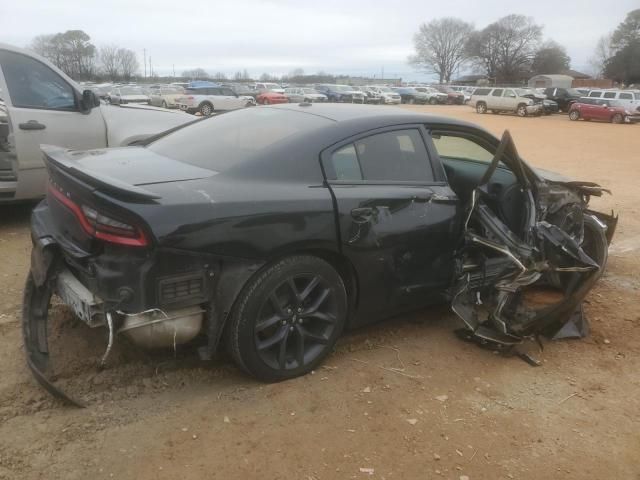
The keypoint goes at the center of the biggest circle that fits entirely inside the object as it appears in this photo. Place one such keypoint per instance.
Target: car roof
(386, 115)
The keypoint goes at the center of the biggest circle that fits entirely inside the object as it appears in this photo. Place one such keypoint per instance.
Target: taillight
(102, 226)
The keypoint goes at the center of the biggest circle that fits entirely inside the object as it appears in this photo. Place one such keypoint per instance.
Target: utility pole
(144, 53)
(382, 74)
(174, 71)
(150, 67)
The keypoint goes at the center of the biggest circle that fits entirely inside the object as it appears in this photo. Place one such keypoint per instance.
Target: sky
(356, 37)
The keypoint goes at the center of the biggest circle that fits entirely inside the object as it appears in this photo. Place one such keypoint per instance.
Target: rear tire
(574, 115)
(481, 107)
(164, 104)
(287, 318)
(433, 101)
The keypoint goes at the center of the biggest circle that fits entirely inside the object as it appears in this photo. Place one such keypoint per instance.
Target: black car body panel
(194, 234)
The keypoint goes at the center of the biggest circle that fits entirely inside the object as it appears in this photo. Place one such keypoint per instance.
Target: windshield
(271, 85)
(385, 89)
(524, 91)
(636, 96)
(574, 92)
(615, 103)
(220, 142)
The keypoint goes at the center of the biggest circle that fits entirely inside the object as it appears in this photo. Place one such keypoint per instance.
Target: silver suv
(504, 100)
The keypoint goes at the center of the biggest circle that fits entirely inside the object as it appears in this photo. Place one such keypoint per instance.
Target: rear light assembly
(102, 226)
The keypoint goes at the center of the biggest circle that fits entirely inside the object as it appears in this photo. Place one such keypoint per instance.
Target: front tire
(287, 318)
(617, 118)
(164, 104)
(481, 107)
(521, 110)
(574, 115)
(206, 109)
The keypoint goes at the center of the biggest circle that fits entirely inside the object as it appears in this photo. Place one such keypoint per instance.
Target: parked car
(604, 110)
(44, 106)
(166, 97)
(564, 97)
(271, 98)
(453, 97)
(629, 99)
(341, 93)
(208, 100)
(124, 95)
(386, 94)
(268, 87)
(242, 90)
(434, 95)
(548, 106)
(304, 94)
(500, 100)
(370, 96)
(411, 95)
(201, 235)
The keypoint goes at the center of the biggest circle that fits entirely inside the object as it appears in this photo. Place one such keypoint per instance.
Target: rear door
(495, 100)
(397, 218)
(42, 107)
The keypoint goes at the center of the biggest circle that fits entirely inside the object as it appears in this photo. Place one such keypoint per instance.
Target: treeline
(513, 49)
(74, 54)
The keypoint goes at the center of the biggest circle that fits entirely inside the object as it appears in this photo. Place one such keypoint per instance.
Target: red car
(271, 98)
(453, 97)
(603, 110)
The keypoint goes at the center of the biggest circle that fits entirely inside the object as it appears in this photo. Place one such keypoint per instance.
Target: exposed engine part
(159, 329)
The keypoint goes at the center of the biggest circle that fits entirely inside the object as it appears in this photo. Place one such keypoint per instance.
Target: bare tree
(440, 46)
(603, 52)
(220, 76)
(506, 48)
(196, 74)
(110, 61)
(128, 63)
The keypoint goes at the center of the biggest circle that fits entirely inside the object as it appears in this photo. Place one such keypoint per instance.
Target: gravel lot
(403, 399)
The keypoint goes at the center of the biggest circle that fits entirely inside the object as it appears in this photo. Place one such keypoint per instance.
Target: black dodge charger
(270, 230)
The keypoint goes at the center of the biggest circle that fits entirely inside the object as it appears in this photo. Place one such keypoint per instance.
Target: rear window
(222, 141)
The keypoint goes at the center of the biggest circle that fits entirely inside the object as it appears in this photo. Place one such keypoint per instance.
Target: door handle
(32, 125)
(363, 214)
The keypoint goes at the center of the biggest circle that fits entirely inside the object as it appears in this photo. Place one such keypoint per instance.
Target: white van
(628, 98)
(39, 104)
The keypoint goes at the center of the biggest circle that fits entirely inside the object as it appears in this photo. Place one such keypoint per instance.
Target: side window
(32, 84)
(626, 96)
(460, 148)
(345, 163)
(497, 92)
(228, 92)
(595, 94)
(394, 156)
(510, 94)
(609, 95)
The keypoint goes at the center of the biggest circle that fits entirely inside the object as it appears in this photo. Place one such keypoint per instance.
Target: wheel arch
(235, 277)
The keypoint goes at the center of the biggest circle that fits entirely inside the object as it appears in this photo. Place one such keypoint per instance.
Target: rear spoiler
(61, 159)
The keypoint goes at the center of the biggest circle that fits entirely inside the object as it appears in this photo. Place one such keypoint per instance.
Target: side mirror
(89, 101)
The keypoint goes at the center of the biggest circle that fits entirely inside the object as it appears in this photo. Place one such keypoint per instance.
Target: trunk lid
(122, 171)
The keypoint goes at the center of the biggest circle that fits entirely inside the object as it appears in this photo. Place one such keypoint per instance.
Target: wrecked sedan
(271, 230)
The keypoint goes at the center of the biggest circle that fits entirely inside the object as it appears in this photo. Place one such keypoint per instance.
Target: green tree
(624, 65)
(71, 51)
(550, 58)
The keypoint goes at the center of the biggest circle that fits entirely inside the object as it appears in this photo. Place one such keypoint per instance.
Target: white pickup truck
(39, 104)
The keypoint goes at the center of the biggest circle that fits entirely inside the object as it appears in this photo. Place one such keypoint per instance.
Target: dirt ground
(404, 399)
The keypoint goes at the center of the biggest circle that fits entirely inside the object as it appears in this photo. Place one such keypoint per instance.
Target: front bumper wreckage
(561, 251)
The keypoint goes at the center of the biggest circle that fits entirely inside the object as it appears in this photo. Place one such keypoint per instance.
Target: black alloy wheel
(288, 318)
